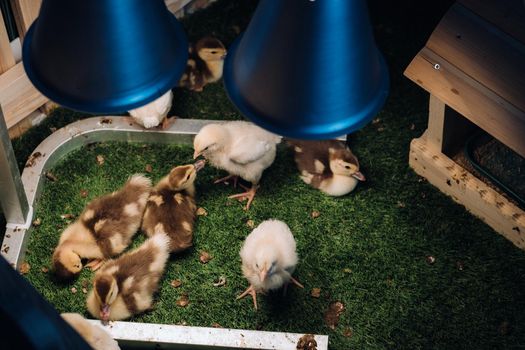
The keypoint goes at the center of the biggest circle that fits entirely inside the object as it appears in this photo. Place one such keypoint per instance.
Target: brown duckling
(329, 165)
(125, 286)
(104, 229)
(205, 63)
(171, 207)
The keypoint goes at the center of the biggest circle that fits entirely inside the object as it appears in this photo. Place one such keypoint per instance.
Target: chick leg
(166, 122)
(294, 281)
(249, 195)
(250, 290)
(235, 178)
(95, 264)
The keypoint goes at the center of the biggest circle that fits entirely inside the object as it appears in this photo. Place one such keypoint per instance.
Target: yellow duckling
(328, 165)
(104, 229)
(124, 287)
(205, 64)
(171, 207)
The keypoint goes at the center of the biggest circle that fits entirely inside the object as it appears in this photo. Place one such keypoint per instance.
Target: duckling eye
(347, 166)
(213, 52)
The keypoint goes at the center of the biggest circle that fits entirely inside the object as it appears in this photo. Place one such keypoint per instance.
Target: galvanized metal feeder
(18, 195)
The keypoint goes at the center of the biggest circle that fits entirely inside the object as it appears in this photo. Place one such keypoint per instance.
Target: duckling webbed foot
(95, 264)
(249, 195)
(225, 179)
(250, 290)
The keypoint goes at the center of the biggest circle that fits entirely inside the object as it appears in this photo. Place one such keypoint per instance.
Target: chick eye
(213, 52)
(257, 265)
(347, 166)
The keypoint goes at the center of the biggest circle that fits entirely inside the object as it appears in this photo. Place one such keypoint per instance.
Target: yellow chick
(241, 148)
(205, 64)
(328, 165)
(104, 229)
(171, 207)
(154, 113)
(125, 286)
(95, 336)
(268, 258)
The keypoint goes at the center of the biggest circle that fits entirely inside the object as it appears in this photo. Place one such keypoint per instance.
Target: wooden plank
(467, 96)
(481, 51)
(25, 12)
(481, 200)
(507, 15)
(18, 96)
(436, 123)
(7, 60)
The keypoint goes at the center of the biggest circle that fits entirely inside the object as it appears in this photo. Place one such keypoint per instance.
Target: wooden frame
(473, 63)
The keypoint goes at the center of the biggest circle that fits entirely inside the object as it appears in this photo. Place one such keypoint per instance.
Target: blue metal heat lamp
(307, 69)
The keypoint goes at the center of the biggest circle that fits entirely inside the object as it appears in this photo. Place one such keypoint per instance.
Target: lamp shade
(307, 69)
(104, 56)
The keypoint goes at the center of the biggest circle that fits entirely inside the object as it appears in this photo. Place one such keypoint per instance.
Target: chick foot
(250, 290)
(95, 264)
(235, 178)
(249, 195)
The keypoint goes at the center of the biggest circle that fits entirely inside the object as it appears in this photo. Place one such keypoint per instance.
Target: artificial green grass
(368, 249)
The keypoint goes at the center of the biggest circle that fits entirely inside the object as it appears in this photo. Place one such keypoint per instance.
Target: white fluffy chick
(241, 148)
(94, 335)
(268, 258)
(154, 113)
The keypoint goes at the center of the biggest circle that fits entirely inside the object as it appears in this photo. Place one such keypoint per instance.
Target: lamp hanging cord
(469, 153)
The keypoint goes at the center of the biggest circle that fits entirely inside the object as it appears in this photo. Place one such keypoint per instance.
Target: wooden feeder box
(473, 66)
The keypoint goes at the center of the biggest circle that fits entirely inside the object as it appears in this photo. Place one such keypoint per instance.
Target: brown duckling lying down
(328, 165)
(171, 206)
(103, 230)
(205, 64)
(125, 286)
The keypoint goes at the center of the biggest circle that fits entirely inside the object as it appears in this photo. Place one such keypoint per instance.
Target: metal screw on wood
(437, 66)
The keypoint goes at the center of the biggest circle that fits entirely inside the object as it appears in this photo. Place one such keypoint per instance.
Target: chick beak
(196, 154)
(104, 313)
(198, 165)
(263, 274)
(358, 175)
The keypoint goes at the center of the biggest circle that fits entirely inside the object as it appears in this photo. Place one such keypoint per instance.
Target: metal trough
(132, 335)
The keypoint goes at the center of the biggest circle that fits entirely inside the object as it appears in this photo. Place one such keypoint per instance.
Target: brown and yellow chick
(171, 207)
(103, 230)
(205, 64)
(125, 286)
(327, 165)
(95, 336)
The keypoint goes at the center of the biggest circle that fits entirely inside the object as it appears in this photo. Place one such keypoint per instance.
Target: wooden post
(7, 60)
(25, 11)
(436, 122)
